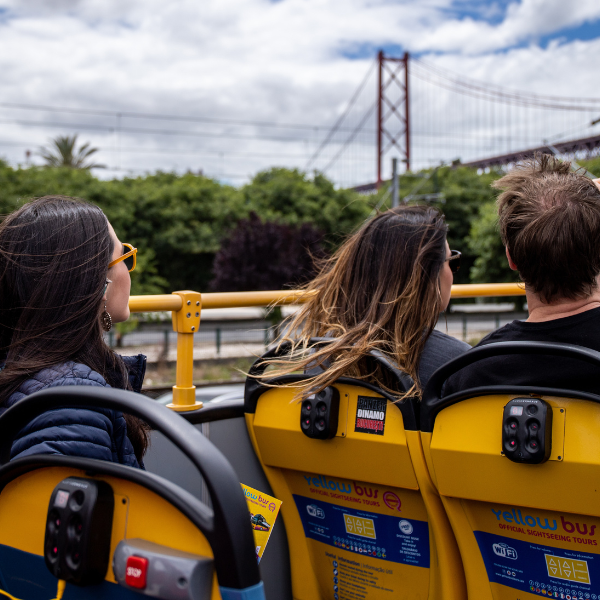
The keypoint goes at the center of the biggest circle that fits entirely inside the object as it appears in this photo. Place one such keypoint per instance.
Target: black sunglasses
(454, 260)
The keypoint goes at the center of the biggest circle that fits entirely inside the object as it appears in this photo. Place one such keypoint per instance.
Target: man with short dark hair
(549, 220)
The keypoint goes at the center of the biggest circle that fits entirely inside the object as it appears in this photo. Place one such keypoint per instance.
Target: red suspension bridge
(404, 108)
(426, 116)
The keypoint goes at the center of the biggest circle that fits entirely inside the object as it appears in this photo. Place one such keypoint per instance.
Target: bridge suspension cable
(339, 122)
(351, 137)
(494, 93)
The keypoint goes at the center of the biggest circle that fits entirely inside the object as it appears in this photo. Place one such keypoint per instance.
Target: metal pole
(166, 344)
(406, 112)
(119, 141)
(218, 339)
(186, 322)
(394, 182)
(379, 116)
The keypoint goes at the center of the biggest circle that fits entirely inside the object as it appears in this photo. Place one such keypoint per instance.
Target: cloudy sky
(235, 86)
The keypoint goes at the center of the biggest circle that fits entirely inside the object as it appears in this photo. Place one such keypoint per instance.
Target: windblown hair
(54, 255)
(549, 220)
(380, 291)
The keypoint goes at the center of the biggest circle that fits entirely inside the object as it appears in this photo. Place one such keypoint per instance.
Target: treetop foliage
(261, 255)
(292, 197)
(463, 191)
(180, 222)
(64, 153)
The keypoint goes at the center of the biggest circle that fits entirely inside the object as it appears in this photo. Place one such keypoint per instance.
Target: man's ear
(511, 264)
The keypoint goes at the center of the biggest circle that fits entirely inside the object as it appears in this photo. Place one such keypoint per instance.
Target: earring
(106, 320)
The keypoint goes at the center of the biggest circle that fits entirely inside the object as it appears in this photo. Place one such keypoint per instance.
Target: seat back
(152, 518)
(360, 513)
(524, 530)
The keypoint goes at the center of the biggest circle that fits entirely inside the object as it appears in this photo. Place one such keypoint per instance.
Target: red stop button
(136, 571)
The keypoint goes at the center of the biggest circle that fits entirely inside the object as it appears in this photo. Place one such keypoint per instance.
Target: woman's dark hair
(379, 291)
(54, 255)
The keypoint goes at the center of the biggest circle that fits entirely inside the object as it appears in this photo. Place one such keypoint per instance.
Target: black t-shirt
(547, 371)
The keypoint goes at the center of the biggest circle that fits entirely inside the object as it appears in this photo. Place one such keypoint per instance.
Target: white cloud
(530, 19)
(254, 60)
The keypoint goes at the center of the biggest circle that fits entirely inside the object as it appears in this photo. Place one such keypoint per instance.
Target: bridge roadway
(589, 145)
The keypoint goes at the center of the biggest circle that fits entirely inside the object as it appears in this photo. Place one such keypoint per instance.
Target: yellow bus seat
(525, 529)
(362, 517)
(163, 541)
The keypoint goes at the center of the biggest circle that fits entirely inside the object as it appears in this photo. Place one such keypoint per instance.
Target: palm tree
(62, 153)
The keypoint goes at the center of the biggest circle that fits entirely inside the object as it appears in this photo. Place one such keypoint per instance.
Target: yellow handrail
(186, 307)
(172, 302)
(157, 303)
(238, 299)
(479, 290)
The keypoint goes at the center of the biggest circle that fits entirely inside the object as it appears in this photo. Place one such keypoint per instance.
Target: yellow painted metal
(476, 580)
(558, 433)
(184, 390)
(138, 513)
(559, 534)
(480, 452)
(238, 299)
(478, 585)
(186, 307)
(477, 483)
(186, 322)
(304, 584)
(187, 318)
(283, 445)
(447, 576)
(157, 303)
(393, 462)
(479, 290)
(167, 302)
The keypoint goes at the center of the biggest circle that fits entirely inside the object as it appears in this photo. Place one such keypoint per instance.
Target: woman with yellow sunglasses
(64, 279)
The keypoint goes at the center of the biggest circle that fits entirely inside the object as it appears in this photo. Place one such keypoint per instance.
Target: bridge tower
(393, 114)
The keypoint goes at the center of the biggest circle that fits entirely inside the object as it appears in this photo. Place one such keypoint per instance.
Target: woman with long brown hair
(383, 290)
(64, 279)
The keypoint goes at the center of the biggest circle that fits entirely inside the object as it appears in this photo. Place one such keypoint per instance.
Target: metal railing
(186, 308)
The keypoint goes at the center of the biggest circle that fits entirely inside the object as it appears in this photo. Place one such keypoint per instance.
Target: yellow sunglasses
(128, 257)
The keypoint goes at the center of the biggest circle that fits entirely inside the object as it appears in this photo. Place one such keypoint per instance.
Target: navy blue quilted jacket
(88, 432)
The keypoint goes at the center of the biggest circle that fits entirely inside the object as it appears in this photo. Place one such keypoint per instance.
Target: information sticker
(370, 415)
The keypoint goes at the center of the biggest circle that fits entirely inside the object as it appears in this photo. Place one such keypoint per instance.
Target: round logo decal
(392, 501)
(405, 527)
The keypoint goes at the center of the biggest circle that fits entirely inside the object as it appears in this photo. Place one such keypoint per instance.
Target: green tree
(592, 165)
(491, 265)
(181, 218)
(260, 255)
(461, 192)
(64, 153)
(179, 222)
(465, 191)
(19, 185)
(484, 243)
(291, 197)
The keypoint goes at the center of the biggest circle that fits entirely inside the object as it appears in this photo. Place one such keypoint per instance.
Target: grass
(235, 369)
